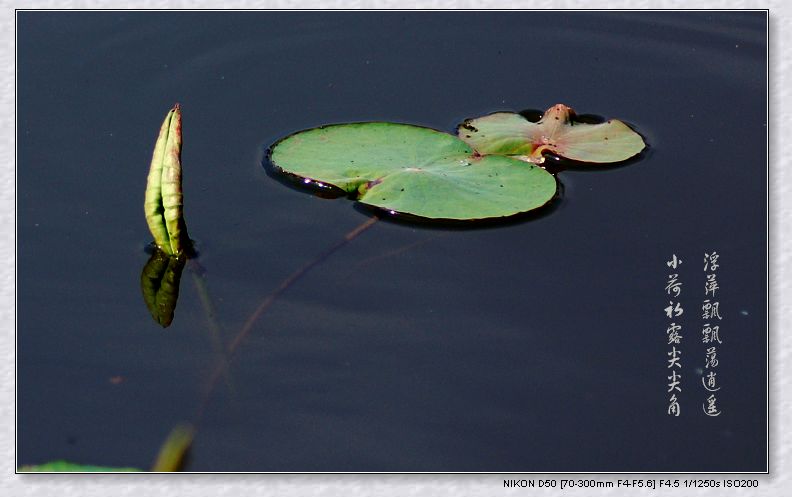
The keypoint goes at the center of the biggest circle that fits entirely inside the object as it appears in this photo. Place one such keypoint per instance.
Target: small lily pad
(510, 134)
(413, 170)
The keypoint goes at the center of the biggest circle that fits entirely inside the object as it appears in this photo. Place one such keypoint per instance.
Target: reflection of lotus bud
(159, 283)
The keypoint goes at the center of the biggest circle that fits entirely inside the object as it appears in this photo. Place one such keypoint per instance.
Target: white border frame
(780, 192)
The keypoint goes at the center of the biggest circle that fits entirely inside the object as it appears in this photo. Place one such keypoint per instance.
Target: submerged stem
(400, 250)
(267, 302)
(215, 330)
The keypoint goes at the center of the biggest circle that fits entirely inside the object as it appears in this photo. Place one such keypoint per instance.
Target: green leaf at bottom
(69, 467)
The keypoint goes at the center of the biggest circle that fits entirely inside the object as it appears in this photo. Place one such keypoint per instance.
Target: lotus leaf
(510, 134)
(414, 170)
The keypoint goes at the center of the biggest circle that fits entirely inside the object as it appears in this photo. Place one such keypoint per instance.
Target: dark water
(533, 346)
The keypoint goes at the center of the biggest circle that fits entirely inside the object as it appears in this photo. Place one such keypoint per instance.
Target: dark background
(532, 346)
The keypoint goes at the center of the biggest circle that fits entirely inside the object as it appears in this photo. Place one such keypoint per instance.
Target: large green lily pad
(506, 133)
(414, 170)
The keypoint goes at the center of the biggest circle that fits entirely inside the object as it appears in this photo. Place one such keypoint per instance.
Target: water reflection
(159, 283)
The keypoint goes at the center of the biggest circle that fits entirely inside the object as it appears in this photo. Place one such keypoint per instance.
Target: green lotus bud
(163, 203)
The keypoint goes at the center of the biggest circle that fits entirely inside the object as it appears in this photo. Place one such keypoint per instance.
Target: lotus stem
(536, 156)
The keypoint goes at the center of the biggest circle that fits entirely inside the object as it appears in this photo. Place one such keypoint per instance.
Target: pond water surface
(531, 346)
